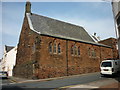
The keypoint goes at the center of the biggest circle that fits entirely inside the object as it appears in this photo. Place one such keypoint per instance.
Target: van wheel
(101, 75)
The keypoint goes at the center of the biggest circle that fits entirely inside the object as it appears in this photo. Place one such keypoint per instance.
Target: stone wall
(52, 64)
(68, 64)
(26, 59)
(84, 63)
(35, 61)
(113, 43)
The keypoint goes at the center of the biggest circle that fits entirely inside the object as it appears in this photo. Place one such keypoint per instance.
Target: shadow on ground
(19, 88)
(12, 88)
(116, 77)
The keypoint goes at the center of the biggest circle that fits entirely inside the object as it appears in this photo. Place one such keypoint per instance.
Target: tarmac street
(91, 80)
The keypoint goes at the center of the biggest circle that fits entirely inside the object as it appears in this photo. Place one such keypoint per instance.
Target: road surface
(57, 83)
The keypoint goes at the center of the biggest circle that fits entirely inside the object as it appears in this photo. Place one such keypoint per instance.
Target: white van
(110, 67)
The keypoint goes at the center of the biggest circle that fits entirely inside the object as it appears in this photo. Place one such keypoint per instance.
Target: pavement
(23, 80)
(99, 84)
(18, 80)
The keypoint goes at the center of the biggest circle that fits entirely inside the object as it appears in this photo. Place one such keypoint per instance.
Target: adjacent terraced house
(8, 60)
(51, 48)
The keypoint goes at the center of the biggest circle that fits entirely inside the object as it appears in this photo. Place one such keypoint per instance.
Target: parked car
(110, 67)
(3, 74)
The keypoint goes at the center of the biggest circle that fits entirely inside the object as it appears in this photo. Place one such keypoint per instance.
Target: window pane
(78, 50)
(59, 49)
(89, 52)
(93, 53)
(55, 48)
(71, 49)
(50, 47)
(106, 64)
(75, 48)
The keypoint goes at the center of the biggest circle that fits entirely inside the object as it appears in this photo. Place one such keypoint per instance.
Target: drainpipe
(67, 57)
(100, 54)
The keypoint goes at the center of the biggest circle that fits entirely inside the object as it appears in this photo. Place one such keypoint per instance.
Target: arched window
(93, 53)
(75, 48)
(78, 50)
(55, 48)
(72, 50)
(50, 47)
(59, 48)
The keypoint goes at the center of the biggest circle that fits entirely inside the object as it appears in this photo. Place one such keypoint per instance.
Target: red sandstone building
(52, 48)
(114, 44)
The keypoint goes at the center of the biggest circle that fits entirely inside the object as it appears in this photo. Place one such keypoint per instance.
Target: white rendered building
(9, 59)
(116, 13)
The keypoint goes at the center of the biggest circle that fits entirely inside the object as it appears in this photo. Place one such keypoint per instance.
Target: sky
(93, 16)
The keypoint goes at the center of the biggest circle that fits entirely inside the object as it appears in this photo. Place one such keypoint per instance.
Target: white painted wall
(116, 7)
(3, 62)
(9, 61)
(116, 10)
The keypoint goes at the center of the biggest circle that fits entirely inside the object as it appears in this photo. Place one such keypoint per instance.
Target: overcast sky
(93, 16)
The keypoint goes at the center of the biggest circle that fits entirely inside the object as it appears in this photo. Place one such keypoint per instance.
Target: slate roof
(52, 27)
(8, 48)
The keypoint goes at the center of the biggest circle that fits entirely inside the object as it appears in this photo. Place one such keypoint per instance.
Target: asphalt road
(57, 83)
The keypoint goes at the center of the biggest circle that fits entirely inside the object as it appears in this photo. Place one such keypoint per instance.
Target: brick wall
(111, 42)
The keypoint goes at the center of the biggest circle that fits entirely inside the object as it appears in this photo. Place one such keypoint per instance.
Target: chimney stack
(28, 7)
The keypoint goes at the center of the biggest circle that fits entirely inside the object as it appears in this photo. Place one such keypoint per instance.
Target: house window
(72, 50)
(75, 48)
(59, 49)
(50, 47)
(78, 50)
(54, 47)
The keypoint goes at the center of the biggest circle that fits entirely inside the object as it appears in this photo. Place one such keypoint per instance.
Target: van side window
(115, 63)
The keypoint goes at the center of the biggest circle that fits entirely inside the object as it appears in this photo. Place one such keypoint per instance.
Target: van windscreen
(106, 64)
